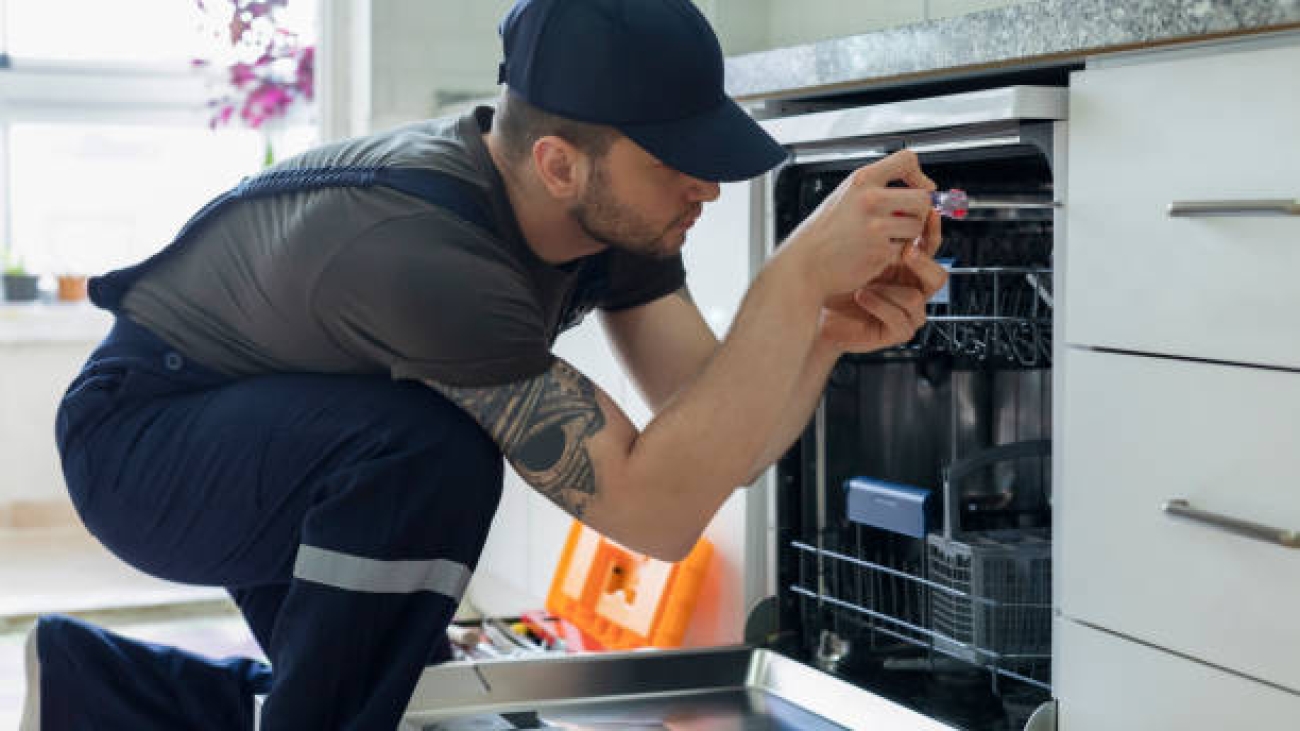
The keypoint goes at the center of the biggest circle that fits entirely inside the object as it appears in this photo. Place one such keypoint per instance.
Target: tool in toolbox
(558, 634)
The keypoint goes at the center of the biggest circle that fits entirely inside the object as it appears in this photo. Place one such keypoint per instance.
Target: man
(306, 397)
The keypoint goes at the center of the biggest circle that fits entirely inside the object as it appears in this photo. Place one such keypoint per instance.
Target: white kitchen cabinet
(1141, 431)
(1113, 684)
(1218, 125)
(1165, 622)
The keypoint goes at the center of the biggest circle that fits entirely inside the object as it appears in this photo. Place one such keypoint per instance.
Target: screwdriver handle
(951, 203)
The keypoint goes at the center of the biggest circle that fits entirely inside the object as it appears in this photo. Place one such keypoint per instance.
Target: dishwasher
(909, 528)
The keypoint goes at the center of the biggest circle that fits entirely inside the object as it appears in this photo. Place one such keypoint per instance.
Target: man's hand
(864, 225)
(880, 314)
(889, 309)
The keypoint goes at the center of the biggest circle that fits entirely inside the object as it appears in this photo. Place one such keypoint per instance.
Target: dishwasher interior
(914, 515)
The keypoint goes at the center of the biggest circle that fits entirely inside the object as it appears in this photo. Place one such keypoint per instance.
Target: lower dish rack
(936, 606)
(996, 622)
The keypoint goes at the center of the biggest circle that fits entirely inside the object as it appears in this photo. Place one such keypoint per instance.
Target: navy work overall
(343, 513)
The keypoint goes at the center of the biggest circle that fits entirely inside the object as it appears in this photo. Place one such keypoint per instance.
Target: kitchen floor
(65, 570)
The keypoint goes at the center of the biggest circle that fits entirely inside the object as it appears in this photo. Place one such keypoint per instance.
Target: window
(93, 31)
(105, 143)
(94, 196)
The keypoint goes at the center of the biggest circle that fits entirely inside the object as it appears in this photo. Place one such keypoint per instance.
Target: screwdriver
(954, 203)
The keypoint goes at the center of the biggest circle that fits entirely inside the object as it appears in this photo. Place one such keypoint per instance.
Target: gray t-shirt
(375, 281)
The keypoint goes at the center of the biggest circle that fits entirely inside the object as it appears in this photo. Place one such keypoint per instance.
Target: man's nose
(703, 190)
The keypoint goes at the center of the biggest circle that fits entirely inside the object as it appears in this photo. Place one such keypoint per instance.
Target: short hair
(520, 124)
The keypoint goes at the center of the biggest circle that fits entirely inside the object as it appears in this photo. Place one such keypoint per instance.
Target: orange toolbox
(624, 599)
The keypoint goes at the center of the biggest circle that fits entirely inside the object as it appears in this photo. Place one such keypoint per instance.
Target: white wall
(427, 54)
(42, 348)
(793, 23)
(35, 375)
(403, 60)
(742, 27)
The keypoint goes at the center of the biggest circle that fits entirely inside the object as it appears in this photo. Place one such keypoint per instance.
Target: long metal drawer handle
(1180, 508)
(1258, 207)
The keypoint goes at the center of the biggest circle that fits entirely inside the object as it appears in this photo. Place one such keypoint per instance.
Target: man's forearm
(799, 408)
(704, 444)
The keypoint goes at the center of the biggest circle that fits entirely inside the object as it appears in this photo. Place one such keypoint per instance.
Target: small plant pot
(21, 287)
(72, 287)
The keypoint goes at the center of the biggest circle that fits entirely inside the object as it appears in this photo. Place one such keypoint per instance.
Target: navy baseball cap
(652, 69)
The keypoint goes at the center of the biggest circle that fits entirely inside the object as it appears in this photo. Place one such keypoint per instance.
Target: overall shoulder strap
(443, 190)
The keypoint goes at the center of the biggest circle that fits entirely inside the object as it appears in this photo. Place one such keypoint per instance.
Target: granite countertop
(1029, 34)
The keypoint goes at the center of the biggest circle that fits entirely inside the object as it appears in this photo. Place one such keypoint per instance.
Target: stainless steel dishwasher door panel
(725, 710)
(736, 688)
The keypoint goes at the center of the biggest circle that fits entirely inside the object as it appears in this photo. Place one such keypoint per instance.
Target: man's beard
(607, 221)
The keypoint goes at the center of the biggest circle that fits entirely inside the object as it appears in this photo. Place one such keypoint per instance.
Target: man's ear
(561, 167)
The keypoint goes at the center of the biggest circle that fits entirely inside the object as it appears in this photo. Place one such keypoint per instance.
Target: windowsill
(52, 322)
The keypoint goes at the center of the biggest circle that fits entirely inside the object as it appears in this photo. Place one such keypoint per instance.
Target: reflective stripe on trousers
(355, 573)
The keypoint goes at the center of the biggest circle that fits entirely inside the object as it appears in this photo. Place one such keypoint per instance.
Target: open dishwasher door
(700, 690)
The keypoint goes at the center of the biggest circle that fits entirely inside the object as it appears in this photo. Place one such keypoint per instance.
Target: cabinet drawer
(1139, 431)
(1210, 127)
(1106, 682)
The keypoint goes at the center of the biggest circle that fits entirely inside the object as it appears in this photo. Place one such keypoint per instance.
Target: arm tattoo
(542, 426)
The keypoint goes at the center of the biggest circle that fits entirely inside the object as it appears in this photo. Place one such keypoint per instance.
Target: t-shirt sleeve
(635, 280)
(423, 300)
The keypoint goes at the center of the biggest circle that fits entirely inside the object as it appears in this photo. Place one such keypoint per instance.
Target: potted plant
(72, 287)
(20, 285)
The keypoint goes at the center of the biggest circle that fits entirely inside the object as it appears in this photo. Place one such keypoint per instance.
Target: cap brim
(722, 145)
